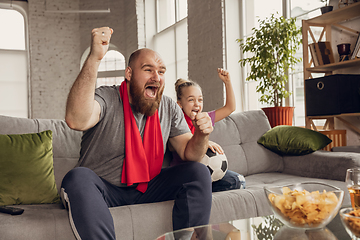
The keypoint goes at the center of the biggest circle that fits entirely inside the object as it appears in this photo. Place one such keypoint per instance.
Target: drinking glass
(353, 184)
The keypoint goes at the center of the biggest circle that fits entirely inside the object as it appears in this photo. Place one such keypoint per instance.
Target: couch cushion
(231, 205)
(321, 164)
(26, 169)
(66, 142)
(15, 125)
(51, 221)
(40, 222)
(143, 215)
(291, 140)
(244, 154)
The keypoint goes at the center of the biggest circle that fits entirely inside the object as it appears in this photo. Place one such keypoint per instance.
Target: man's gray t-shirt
(103, 146)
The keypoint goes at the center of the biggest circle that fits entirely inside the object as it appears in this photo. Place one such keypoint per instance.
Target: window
(169, 12)
(165, 13)
(301, 9)
(170, 40)
(13, 62)
(166, 33)
(111, 69)
(255, 10)
(181, 9)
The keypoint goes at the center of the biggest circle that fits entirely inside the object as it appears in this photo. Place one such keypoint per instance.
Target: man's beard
(140, 103)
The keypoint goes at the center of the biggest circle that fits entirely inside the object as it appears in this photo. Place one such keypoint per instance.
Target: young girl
(190, 99)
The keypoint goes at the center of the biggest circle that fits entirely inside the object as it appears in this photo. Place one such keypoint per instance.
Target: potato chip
(353, 224)
(303, 207)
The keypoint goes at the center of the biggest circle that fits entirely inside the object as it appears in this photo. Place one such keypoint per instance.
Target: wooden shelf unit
(327, 21)
(334, 66)
(338, 15)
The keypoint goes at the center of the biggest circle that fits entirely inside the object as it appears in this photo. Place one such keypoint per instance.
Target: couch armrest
(322, 164)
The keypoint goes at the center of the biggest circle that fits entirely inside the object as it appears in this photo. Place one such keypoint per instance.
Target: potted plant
(273, 46)
(268, 228)
(326, 8)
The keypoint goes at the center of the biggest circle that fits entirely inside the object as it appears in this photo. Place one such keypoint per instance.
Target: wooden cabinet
(327, 22)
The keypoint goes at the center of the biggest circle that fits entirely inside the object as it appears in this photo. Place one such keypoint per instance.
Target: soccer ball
(216, 163)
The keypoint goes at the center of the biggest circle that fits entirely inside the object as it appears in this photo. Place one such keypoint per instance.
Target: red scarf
(190, 124)
(143, 158)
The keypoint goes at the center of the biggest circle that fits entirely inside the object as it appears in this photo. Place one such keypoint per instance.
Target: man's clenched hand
(100, 40)
(202, 122)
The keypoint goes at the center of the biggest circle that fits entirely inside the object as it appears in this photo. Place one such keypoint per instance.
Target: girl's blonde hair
(181, 83)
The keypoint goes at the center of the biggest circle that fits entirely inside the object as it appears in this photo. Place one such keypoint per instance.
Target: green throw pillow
(26, 169)
(290, 140)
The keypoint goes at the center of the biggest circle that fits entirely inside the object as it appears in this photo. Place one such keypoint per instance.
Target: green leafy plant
(267, 229)
(273, 46)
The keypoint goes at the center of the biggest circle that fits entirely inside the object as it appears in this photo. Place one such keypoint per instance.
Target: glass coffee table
(259, 228)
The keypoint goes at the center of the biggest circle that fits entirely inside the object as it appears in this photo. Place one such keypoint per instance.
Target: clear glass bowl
(351, 223)
(307, 211)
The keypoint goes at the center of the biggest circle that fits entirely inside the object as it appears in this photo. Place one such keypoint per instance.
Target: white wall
(58, 40)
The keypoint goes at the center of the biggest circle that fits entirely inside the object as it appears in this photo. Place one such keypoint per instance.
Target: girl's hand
(215, 147)
(223, 75)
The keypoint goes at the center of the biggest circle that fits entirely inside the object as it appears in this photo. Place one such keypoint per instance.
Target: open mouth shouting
(196, 111)
(151, 90)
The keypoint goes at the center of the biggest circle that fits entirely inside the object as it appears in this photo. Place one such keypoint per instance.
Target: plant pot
(326, 9)
(279, 115)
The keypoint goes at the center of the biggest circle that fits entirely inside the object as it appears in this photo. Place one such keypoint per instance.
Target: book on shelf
(314, 54)
(356, 52)
(318, 54)
(321, 53)
(326, 53)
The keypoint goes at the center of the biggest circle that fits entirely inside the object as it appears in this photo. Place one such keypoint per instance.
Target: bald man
(126, 129)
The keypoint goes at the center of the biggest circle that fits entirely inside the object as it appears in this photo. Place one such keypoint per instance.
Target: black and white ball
(216, 163)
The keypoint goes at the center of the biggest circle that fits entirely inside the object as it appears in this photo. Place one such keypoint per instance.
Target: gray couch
(237, 134)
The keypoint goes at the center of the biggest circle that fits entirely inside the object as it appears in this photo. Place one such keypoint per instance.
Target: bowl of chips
(308, 205)
(351, 221)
